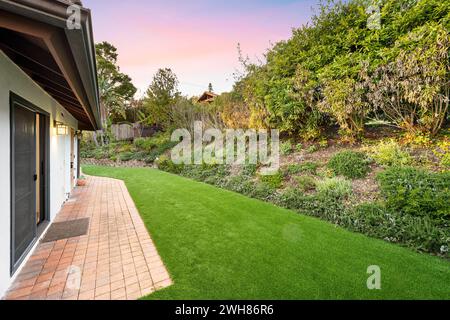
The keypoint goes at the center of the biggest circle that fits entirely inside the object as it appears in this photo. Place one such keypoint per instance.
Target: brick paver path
(115, 260)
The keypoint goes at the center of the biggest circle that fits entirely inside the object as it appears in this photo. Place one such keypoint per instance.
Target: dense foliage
(416, 192)
(142, 149)
(337, 70)
(161, 95)
(336, 187)
(116, 89)
(389, 153)
(349, 164)
(423, 233)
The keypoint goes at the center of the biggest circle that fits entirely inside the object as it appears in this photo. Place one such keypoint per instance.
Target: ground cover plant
(350, 164)
(417, 192)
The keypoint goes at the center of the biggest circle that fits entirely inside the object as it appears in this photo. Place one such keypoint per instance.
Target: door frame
(72, 159)
(13, 100)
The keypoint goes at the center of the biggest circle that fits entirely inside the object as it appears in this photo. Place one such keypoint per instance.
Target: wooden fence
(126, 131)
(122, 131)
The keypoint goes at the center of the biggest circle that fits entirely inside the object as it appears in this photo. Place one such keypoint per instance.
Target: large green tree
(116, 88)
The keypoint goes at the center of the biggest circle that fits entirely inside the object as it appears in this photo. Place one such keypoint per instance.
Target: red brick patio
(115, 260)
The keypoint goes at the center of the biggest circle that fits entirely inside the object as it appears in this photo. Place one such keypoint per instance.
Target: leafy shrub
(312, 148)
(122, 147)
(85, 154)
(416, 192)
(443, 152)
(323, 143)
(299, 147)
(325, 172)
(144, 143)
(286, 148)
(344, 100)
(418, 139)
(373, 219)
(421, 233)
(212, 172)
(194, 172)
(291, 169)
(263, 191)
(334, 187)
(274, 180)
(126, 156)
(327, 207)
(240, 184)
(159, 150)
(305, 167)
(165, 164)
(349, 164)
(409, 89)
(389, 153)
(101, 153)
(309, 167)
(292, 198)
(424, 234)
(306, 183)
(249, 170)
(149, 149)
(140, 155)
(322, 206)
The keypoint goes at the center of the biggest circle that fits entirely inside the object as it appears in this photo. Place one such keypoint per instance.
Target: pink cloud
(200, 46)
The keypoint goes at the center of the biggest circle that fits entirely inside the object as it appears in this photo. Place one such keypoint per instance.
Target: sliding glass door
(29, 176)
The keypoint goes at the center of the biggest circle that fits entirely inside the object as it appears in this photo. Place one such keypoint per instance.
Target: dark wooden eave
(39, 65)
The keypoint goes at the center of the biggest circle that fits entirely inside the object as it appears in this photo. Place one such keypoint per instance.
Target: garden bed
(341, 184)
(115, 163)
(327, 179)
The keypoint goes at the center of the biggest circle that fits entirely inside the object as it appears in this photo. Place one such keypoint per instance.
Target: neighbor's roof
(207, 96)
(34, 34)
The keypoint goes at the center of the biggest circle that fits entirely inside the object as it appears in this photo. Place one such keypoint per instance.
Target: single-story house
(48, 94)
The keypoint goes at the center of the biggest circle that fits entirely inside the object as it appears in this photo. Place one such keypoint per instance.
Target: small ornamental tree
(161, 95)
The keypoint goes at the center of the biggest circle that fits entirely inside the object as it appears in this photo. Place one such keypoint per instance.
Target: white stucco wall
(12, 78)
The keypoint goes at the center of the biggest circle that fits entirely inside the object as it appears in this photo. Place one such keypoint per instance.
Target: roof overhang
(34, 34)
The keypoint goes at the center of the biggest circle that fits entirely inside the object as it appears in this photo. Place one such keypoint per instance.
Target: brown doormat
(67, 229)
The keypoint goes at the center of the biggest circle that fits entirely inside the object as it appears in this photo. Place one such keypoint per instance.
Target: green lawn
(220, 245)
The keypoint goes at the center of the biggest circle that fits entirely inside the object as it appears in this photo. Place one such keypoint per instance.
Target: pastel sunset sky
(197, 39)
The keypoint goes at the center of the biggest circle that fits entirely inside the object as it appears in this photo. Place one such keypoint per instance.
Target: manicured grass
(220, 245)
